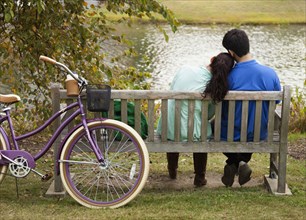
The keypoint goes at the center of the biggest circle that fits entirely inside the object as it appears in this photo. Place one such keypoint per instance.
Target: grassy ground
(164, 199)
(238, 11)
(228, 11)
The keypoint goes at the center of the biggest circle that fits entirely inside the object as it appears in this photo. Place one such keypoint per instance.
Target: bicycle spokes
(110, 183)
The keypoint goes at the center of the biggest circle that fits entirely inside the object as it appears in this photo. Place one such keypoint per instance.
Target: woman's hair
(217, 87)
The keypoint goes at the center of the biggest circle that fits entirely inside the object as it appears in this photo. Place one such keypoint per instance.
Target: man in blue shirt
(247, 75)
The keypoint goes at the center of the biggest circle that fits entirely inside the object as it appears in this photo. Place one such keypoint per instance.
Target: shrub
(298, 111)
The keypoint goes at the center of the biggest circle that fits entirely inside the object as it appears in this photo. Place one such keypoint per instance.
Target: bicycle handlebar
(80, 79)
(47, 59)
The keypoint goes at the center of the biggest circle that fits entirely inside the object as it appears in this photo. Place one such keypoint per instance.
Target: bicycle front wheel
(3, 168)
(115, 181)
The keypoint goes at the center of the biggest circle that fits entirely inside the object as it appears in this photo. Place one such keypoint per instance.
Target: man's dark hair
(237, 41)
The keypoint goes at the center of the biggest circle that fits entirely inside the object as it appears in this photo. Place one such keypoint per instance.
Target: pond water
(280, 47)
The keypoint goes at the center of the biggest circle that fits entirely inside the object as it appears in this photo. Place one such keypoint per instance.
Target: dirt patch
(185, 181)
(297, 149)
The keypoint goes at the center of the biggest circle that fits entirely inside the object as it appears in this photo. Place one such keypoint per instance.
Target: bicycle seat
(9, 99)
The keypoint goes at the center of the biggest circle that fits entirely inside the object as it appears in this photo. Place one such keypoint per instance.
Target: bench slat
(157, 94)
(164, 118)
(137, 115)
(124, 110)
(258, 111)
(151, 119)
(231, 120)
(204, 109)
(217, 127)
(191, 106)
(177, 122)
(212, 147)
(244, 121)
(111, 109)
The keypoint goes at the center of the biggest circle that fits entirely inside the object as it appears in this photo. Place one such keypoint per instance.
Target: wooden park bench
(275, 145)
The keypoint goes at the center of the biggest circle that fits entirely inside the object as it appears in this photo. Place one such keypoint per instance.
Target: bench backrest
(153, 101)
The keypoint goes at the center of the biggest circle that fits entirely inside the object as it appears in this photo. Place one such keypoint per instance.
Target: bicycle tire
(3, 168)
(113, 184)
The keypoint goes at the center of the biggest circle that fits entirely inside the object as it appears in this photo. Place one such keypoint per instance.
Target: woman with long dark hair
(217, 86)
(210, 80)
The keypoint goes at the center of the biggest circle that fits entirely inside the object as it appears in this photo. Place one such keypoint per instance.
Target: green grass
(158, 202)
(251, 12)
(296, 136)
(236, 11)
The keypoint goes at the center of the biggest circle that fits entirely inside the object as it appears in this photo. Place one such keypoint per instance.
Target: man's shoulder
(253, 76)
(252, 67)
(265, 68)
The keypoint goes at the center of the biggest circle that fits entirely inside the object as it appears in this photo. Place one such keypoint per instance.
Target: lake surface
(280, 47)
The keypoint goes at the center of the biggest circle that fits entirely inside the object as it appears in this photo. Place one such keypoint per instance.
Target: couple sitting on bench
(215, 80)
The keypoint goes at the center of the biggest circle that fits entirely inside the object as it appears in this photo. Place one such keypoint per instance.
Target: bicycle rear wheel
(3, 168)
(113, 183)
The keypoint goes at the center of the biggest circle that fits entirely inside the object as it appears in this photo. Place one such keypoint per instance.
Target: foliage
(298, 112)
(66, 30)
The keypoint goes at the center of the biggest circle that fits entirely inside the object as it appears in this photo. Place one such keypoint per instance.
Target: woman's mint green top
(188, 78)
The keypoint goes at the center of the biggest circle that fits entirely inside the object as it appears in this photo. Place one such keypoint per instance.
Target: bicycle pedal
(46, 177)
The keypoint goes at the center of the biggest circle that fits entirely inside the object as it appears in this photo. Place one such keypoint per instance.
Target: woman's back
(188, 78)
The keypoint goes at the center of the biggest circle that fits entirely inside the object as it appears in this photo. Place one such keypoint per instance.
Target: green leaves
(8, 11)
(40, 6)
(80, 35)
(298, 112)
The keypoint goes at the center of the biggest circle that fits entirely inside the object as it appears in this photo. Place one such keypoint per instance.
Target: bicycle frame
(94, 179)
(14, 150)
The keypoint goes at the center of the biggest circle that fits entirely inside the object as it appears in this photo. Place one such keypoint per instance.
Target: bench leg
(273, 162)
(276, 180)
(282, 166)
(56, 187)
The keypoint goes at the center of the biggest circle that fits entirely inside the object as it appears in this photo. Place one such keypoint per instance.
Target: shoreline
(188, 22)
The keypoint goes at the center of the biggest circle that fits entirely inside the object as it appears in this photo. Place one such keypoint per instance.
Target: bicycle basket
(98, 97)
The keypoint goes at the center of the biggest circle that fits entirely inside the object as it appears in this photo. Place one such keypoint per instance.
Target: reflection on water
(280, 47)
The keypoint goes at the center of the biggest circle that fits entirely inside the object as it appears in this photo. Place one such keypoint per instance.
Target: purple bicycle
(102, 162)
